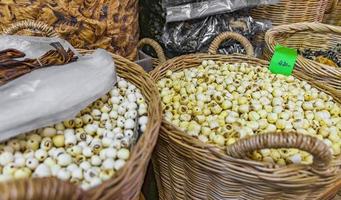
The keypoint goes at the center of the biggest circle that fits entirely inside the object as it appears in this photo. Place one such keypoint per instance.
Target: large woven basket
(186, 168)
(333, 14)
(291, 11)
(108, 24)
(127, 183)
(315, 36)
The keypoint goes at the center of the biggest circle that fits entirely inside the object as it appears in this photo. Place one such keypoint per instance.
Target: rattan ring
(320, 151)
(156, 46)
(34, 26)
(234, 36)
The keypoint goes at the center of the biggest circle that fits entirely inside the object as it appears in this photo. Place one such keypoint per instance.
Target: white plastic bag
(33, 47)
(181, 10)
(50, 95)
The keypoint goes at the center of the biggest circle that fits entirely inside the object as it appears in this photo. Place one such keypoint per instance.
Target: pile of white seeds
(220, 103)
(86, 150)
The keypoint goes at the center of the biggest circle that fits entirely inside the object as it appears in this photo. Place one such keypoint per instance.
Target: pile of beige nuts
(219, 103)
(86, 150)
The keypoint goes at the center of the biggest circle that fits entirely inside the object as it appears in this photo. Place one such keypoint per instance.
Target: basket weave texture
(108, 24)
(333, 15)
(161, 58)
(315, 36)
(292, 11)
(186, 168)
(127, 183)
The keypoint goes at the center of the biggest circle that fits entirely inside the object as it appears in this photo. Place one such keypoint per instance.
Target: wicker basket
(107, 24)
(291, 11)
(333, 14)
(127, 183)
(308, 35)
(186, 168)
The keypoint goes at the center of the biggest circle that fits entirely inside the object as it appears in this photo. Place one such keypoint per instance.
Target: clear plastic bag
(50, 95)
(196, 35)
(33, 47)
(181, 10)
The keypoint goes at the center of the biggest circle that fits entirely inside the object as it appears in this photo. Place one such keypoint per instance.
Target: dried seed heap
(86, 150)
(330, 57)
(219, 103)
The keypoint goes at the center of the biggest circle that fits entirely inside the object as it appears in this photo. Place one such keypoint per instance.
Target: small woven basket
(315, 36)
(127, 183)
(186, 168)
(333, 14)
(289, 11)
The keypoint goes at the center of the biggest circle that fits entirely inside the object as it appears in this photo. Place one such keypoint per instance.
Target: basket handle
(31, 25)
(155, 45)
(319, 150)
(234, 36)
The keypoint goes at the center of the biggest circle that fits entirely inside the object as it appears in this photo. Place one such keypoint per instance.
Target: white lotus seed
(119, 164)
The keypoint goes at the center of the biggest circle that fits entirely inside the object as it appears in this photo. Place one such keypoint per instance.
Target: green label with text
(283, 61)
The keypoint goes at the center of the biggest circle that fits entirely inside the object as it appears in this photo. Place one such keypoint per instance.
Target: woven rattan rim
(253, 170)
(31, 25)
(234, 36)
(289, 11)
(313, 69)
(155, 45)
(320, 151)
(270, 38)
(127, 183)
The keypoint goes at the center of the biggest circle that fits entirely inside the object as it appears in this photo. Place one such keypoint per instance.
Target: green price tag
(283, 61)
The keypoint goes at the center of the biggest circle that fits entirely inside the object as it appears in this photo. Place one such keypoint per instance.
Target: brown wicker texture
(108, 24)
(330, 5)
(315, 36)
(292, 11)
(186, 168)
(161, 58)
(29, 27)
(43, 188)
(127, 183)
(333, 15)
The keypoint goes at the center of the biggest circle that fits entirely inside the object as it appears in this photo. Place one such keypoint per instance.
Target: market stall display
(205, 92)
(108, 24)
(123, 183)
(194, 33)
(313, 36)
(288, 11)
